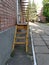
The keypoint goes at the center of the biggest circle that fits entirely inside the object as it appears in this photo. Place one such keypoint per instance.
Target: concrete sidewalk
(20, 56)
(40, 35)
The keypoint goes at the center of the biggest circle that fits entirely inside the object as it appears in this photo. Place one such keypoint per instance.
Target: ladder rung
(21, 32)
(20, 43)
(21, 37)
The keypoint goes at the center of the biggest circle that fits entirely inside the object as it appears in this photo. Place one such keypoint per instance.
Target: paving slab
(47, 42)
(43, 34)
(39, 42)
(47, 32)
(46, 38)
(39, 32)
(36, 35)
(41, 49)
(42, 59)
(37, 38)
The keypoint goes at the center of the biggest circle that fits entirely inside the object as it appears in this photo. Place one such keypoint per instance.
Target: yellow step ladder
(21, 27)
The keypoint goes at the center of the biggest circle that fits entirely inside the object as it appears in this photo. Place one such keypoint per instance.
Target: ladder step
(20, 37)
(20, 43)
(21, 32)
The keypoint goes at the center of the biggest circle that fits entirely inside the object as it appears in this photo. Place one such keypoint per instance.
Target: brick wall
(7, 14)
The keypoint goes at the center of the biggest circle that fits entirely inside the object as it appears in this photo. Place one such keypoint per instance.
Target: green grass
(47, 23)
(12, 54)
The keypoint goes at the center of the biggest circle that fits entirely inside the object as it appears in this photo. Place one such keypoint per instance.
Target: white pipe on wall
(17, 11)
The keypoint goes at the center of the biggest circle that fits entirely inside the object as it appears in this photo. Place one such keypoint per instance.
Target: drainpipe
(17, 11)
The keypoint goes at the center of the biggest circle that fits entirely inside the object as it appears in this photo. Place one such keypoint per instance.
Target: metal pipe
(33, 51)
(17, 11)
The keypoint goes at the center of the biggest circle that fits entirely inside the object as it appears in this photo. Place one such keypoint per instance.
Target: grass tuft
(12, 54)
